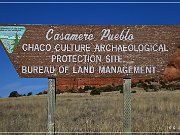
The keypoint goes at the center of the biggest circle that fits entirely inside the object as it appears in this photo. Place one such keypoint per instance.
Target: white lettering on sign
(127, 69)
(151, 47)
(38, 69)
(89, 69)
(63, 69)
(76, 58)
(36, 47)
(72, 47)
(113, 58)
(83, 69)
(51, 35)
(124, 35)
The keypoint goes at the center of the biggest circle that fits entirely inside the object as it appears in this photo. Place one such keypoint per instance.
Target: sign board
(52, 51)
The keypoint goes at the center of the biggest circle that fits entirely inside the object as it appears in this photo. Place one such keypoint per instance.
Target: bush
(110, 88)
(95, 92)
(80, 90)
(146, 89)
(119, 88)
(142, 84)
(29, 94)
(163, 83)
(72, 91)
(133, 91)
(133, 85)
(59, 91)
(40, 93)
(107, 88)
(14, 94)
(121, 91)
(44, 92)
(86, 88)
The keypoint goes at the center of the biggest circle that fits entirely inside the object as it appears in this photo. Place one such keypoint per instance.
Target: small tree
(14, 94)
(40, 93)
(29, 94)
(44, 92)
(86, 88)
(95, 92)
(80, 90)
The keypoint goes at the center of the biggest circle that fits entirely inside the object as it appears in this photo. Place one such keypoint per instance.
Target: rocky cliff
(172, 70)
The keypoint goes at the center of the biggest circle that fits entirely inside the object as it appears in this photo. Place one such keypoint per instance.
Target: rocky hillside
(172, 70)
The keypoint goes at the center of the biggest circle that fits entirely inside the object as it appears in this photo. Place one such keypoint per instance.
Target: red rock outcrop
(172, 70)
(64, 84)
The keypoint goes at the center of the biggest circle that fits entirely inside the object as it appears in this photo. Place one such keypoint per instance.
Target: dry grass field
(152, 112)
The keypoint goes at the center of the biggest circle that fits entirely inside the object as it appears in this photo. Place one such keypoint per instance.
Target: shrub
(142, 84)
(80, 90)
(72, 90)
(44, 92)
(107, 88)
(14, 94)
(121, 91)
(95, 92)
(163, 83)
(29, 94)
(110, 88)
(86, 88)
(119, 88)
(133, 91)
(40, 93)
(58, 91)
(146, 89)
(133, 85)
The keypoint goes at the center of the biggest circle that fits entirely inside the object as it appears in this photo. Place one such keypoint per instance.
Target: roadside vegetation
(81, 112)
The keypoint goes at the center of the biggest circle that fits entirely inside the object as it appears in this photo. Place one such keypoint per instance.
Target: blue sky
(74, 14)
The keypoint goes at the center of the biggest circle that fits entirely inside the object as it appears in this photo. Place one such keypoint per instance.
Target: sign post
(127, 105)
(51, 106)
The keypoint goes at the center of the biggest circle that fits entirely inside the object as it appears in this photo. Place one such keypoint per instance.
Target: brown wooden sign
(52, 51)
